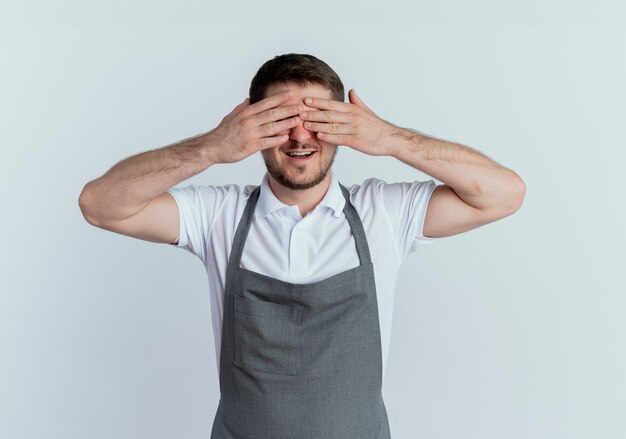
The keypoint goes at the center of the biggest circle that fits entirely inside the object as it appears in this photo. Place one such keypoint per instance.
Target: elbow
(516, 196)
(85, 201)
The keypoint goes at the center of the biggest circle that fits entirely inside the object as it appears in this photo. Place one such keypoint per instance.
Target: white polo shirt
(296, 249)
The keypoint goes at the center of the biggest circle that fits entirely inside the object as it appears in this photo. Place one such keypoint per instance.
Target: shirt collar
(268, 203)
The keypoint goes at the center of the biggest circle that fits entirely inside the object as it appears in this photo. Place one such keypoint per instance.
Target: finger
(269, 102)
(336, 139)
(330, 128)
(355, 98)
(326, 116)
(242, 105)
(277, 114)
(272, 128)
(328, 104)
(272, 141)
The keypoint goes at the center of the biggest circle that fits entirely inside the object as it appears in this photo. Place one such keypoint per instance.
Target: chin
(300, 182)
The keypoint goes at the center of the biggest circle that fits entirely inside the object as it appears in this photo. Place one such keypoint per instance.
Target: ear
(354, 99)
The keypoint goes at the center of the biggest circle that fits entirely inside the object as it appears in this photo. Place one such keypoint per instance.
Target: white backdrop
(512, 330)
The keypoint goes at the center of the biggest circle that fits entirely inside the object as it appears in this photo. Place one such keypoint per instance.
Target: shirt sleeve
(406, 204)
(198, 206)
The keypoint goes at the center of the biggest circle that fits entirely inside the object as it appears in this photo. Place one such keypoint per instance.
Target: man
(301, 268)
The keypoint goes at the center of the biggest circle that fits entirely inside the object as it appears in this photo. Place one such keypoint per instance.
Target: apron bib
(300, 361)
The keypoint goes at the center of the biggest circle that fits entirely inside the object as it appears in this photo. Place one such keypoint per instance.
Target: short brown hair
(301, 69)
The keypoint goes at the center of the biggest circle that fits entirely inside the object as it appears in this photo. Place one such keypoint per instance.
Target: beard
(277, 173)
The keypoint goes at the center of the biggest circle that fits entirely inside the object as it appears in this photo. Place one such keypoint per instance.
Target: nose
(299, 133)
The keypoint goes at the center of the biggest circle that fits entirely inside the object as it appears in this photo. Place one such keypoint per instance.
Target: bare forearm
(474, 177)
(131, 183)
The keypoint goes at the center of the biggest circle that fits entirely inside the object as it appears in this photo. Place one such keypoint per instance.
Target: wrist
(410, 143)
(206, 149)
(196, 151)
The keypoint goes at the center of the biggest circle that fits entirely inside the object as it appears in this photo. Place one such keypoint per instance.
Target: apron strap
(349, 211)
(362, 248)
(242, 229)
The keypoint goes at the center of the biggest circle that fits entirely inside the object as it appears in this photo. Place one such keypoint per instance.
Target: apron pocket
(266, 336)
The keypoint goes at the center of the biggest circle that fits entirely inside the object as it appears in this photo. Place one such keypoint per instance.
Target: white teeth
(299, 153)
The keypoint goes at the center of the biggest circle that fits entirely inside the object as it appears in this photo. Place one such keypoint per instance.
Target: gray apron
(300, 361)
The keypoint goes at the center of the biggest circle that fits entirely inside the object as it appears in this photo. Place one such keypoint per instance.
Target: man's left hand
(352, 124)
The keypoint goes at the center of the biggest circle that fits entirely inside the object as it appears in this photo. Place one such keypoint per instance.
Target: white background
(512, 330)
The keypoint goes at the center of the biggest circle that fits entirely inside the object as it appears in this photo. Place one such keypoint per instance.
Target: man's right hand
(131, 198)
(251, 128)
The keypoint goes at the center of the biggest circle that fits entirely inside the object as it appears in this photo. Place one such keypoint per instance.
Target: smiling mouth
(300, 154)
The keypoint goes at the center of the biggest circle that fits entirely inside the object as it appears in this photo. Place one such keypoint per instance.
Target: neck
(306, 199)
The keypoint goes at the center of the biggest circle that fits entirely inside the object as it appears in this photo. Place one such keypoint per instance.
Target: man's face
(296, 172)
